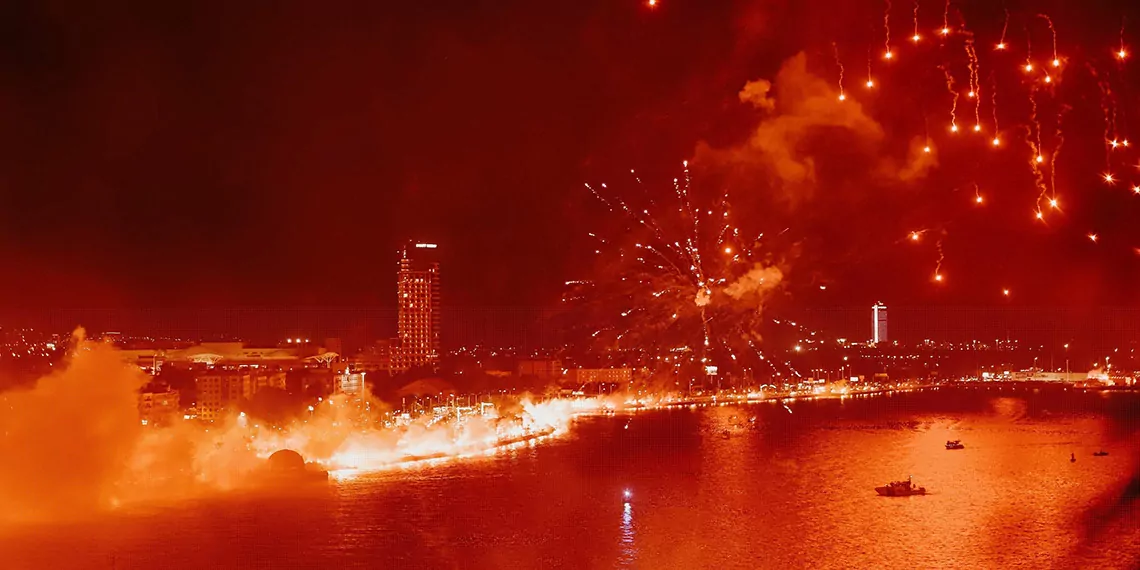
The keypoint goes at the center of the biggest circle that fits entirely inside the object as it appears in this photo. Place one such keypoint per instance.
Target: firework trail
(946, 19)
(870, 81)
(938, 265)
(915, 37)
(972, 59)
(1056, 61)
(887, 28)
(954, 101)
(993, 107)
(1004, 30)
(838, 63)
(1108, 109)
(1033, 139)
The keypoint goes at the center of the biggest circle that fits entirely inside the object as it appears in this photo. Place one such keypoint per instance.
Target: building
(418, 296)
(156, 408)
(349, 384)
(603, 375)
(219, 393)
(543, 369)
(255, 381)
(878, 323)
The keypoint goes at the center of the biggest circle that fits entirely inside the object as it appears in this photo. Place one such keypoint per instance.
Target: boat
(956, 444)
(900, 489)
(1101, 453)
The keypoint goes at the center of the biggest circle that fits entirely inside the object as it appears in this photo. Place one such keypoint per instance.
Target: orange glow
(953, 128)
(728, 250)
(1056, 63)
(1092, 238)
(1136, 189)
(938, 277)
(888, 55)
(1005, 292)
(842, 97)
(913, 236)
(870, 83)
(914, 37)
(1040, 158)
(652, 3)
(978, 199)
(1121, 54)
(1001, 46)
(1028, 66)
(925, 149)
(945, 31)
(997, 141)
(1053, 203)
(970, 94)
(977, 128)
(1048, 79)
(1109, 178)
(1040, 215)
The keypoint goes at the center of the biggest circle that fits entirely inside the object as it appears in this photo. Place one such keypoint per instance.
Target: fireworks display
(690, 274)
(692, 283)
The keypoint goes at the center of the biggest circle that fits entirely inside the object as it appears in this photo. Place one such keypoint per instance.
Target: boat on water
(900, 489)
(956, 444)
(1101, 453)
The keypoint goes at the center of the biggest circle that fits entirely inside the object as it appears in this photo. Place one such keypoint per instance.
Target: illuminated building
(543, 369)
(603, 375)
(878, 323)
(218, 393)
(157, 407)
(350, 384)
(417, 291)
(257, 380)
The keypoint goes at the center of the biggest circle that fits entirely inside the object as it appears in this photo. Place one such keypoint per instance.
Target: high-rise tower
(878, 323)
(417, 290)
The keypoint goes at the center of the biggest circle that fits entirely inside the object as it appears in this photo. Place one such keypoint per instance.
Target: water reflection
(715, 488)
(628, 549)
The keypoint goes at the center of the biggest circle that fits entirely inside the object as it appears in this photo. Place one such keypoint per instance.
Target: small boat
(956, 444)
(1101, 453)
(900, 489)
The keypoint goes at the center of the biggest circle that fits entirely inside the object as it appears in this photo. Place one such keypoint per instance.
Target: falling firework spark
(1056, 61)
(974, 94)
(938, 265)
(839, 64)
(915, 37)
(887, 29)
(954, 101)
(1004, 29)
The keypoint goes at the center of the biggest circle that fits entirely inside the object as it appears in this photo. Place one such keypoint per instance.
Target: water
(789, 490)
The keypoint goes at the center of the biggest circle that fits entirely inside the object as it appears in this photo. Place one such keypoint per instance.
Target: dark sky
(220, 154)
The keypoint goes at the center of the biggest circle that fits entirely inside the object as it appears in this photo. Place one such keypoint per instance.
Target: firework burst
(687, 283)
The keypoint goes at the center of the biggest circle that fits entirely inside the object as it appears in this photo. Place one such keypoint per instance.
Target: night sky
(226, 154)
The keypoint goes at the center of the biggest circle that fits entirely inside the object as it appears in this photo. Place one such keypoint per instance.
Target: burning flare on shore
(74, 443)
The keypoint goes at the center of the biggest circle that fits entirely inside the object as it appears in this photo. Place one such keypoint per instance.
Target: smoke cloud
(804, 129)
(67, 440)
(755, 284)
(74, 444)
